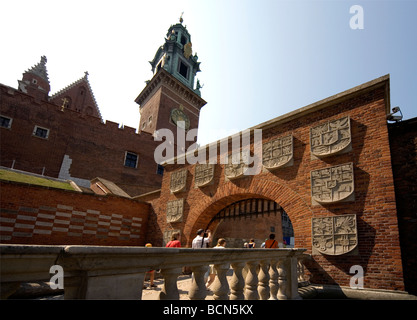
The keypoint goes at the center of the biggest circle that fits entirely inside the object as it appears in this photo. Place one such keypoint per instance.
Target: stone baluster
(282, 280)
(237, 283)
(170, 289)
(220, 285)
(198, 289)
(263, 285)
(303, 279)
(300, 271)
(251, 292)
(273, 280)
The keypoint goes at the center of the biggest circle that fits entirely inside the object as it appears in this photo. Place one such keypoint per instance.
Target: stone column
(170, 289)
(263, 285)
(220, 285)
(273, 280)
(251, 292)
(237, 283)
(198, 289)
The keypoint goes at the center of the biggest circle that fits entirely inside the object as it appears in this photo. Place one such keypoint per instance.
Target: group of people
(202, 240)
(270, 243)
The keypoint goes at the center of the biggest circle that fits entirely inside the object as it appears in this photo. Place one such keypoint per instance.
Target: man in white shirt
(202, 240)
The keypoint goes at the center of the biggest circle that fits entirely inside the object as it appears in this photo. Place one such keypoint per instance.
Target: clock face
(180, 119)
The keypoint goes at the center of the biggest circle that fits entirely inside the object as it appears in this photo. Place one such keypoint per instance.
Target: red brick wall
(38, 215)
(403, 142)
(375, 206)
(96, 149)
(78, 97)
(160, 105)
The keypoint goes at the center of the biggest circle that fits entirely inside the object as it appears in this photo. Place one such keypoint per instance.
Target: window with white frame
(41, 132)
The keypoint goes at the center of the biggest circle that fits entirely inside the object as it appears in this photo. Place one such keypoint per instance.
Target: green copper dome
(177, 57)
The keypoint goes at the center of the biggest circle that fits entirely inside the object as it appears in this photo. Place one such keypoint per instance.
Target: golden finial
(181, 19)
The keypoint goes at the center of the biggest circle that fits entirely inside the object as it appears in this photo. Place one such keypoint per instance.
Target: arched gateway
(203, 214)
(328, 165)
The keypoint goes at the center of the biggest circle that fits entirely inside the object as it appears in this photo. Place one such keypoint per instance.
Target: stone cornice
(163, 78)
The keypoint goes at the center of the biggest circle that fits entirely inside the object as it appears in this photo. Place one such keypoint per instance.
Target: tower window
(183, 40)
(131, 160)
(160, 170)
(5, 122)
(41, 132)
(183, 69)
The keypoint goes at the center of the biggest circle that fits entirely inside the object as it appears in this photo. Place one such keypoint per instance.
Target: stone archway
(294, 205)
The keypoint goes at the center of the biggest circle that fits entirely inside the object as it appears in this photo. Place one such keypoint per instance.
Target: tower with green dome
(172, 98)
(177, 57)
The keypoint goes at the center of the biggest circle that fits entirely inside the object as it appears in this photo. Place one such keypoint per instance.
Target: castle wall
(371, 201)
(89, 147)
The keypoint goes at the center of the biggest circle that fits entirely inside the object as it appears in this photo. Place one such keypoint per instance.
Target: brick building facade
(64, 137)
(338, 189)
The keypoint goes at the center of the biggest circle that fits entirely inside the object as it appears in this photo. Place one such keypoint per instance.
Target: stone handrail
(101, 272)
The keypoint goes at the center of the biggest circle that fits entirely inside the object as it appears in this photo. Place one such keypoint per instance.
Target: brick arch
(294, 205)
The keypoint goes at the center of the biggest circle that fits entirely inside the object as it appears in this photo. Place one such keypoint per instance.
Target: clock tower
(172, 98)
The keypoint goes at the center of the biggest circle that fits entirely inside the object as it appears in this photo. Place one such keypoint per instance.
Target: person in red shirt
(175, 242)
(271, 243)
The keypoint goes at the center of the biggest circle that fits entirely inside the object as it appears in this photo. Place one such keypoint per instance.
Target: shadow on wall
(154, 234)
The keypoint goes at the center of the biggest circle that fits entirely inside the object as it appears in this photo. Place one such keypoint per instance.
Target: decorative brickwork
(52, 216)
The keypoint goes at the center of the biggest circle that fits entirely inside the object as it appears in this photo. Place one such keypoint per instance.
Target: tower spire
(35, 80)
(40, 69)
(176, 56)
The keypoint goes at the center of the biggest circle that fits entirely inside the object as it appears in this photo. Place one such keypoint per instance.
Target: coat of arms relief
(175, 210)
(335, 235)
(236, 165)
(277, 153)
(178, 180)
(204, 173)
(331, 138)
(332, 184)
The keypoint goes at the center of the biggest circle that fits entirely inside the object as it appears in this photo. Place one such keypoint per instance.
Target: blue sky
(259, 59)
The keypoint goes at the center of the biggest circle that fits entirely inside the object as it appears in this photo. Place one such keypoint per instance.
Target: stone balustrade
(100, 272)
